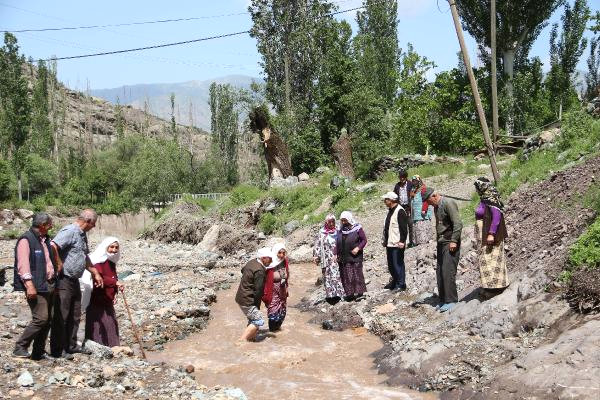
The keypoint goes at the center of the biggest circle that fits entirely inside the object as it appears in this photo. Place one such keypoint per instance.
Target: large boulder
(290, 227)
(288, 182)
(303, 253)
(209, 242)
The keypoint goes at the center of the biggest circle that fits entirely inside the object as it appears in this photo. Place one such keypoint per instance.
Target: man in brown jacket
(250, 291)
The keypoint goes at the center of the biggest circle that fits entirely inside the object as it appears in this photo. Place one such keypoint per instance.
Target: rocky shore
(169, 288)
(524, 343)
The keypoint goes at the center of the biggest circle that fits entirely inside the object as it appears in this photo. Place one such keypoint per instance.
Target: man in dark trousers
(448, 231)
(250, 291)
(71, 249)
(395, 232)
(35, 274)
(403, 190)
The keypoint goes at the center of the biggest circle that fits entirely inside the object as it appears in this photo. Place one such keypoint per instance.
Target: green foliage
(586, 251)
(5, 180)
(592, 198)
(41, 140)
(14, 104)
(580, 136)
(289, 35)
(268, 223)
(565, 51)
(376, 46)
(41, 174)
(242, 195)
(224, 128)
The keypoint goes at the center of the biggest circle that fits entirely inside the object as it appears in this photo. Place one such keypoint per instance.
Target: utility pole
(495, 127)
(475, 89)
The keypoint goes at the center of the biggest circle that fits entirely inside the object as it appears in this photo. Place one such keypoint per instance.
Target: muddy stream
(299, 362)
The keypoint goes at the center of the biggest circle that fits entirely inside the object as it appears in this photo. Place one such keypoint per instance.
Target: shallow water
(301, 361)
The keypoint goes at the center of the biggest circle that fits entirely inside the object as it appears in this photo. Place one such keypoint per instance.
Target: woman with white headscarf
(276, 287)
(351, 240)
(101, 321)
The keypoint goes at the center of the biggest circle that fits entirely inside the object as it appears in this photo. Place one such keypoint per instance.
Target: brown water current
(301, 361)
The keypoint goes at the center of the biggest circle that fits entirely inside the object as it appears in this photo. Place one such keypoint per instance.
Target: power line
(160, 21)
(105, 53)
(156, 46)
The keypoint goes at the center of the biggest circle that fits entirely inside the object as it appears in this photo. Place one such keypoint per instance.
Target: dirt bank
(524, 342)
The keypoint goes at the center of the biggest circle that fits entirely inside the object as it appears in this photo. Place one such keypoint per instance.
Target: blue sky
(427, 24)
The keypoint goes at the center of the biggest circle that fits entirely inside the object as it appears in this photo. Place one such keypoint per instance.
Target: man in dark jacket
(448, 232)
(403, 190)
(250, 291)
(34, 274)
(395, 233)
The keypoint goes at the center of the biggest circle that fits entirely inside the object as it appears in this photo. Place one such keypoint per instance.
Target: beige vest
(394, 229)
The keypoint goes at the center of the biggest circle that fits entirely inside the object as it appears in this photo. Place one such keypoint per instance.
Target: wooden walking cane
(133, 328)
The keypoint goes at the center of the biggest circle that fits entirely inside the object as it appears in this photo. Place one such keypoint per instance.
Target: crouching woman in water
(101, 321)
(251, 291)
(276, 287)
(351, 240)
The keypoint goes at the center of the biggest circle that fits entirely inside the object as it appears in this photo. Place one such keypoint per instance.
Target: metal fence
(196, 196)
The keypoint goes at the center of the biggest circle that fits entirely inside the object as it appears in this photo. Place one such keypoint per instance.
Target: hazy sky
(427, 24)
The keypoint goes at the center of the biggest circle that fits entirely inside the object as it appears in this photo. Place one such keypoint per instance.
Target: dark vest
(345, 244)
(501, 233)
(37, 262)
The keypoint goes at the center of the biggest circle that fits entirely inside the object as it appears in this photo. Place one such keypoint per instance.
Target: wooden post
(495, 127)
(475, 89)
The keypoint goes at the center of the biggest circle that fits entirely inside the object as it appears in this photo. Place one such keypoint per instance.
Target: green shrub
(204, 204)
(586, 250)
(591, 198)
(242, 195)
(267, 223)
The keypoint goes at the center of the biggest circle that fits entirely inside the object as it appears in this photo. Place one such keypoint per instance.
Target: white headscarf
(347, 215)
(100, 254)
(264, 252)
(276, 248)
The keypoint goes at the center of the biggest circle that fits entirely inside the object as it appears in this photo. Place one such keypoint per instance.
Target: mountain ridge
(191, 97)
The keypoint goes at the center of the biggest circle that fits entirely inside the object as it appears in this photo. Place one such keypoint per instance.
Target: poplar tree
(519, 23)
(377, 49)
(41, 129)
(565, 51)
(224, 128)
(15, 105)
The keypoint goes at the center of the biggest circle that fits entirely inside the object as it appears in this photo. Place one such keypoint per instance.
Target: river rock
(25, 379)
(98, 350)
(209, 242)
(303, 177)
(303, 253)
(367, 187)
(23, 213)
(290, 227)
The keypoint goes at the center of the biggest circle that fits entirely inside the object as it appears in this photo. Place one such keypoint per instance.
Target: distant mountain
(191, 98)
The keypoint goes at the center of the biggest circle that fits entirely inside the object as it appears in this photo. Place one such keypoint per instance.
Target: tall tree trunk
(19, 186)
(276, 151)
(495, 127)
(508, 61)
(342, 155)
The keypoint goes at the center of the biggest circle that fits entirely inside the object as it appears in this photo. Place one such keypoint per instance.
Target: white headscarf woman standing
(99, 255)
(101, 324)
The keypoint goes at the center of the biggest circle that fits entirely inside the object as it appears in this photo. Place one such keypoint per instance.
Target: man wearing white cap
(250, 291)
(395, 233)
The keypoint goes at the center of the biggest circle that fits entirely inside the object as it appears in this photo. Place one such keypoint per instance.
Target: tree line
(320, 79)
